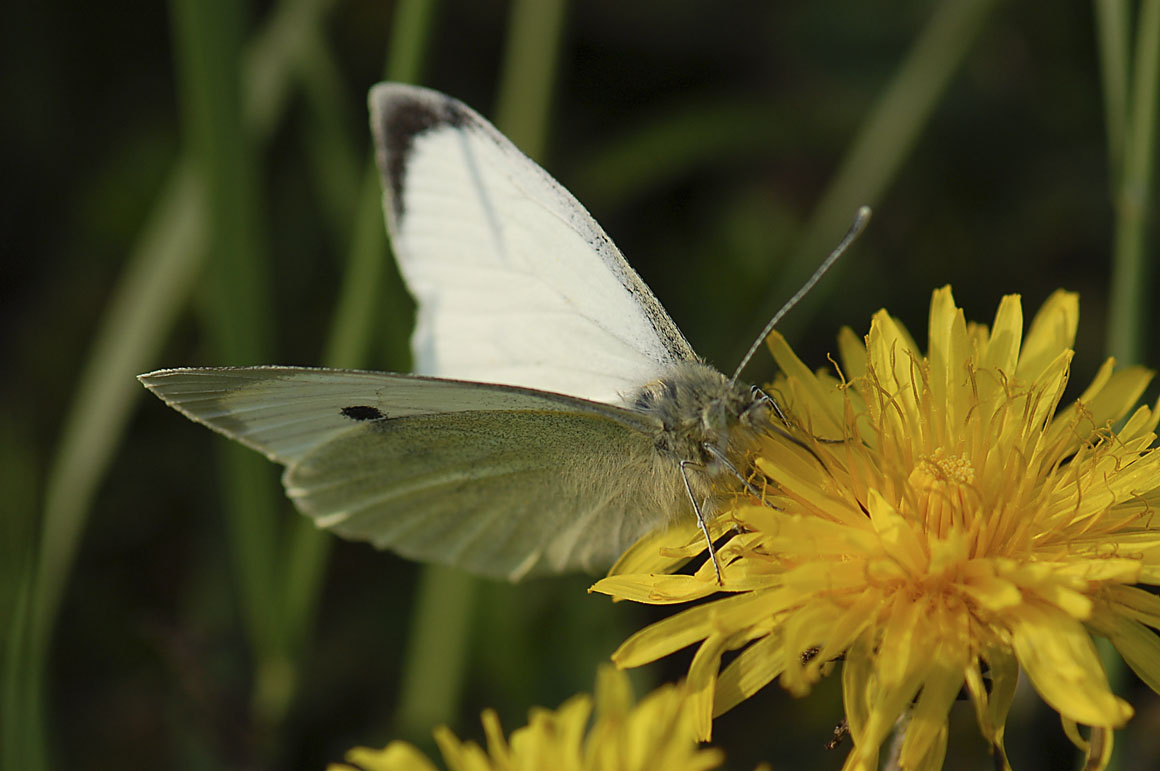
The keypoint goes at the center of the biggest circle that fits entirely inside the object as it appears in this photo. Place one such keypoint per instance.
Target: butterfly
(558, 414)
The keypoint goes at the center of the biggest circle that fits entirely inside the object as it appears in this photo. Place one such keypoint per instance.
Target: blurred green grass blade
(1131, 129)
(1112, 31)
(371, 285)
(673, 143)
(143, 308)
(367, 285)
(334, 154)
(1131, 268)
(410, 40)
(441, 622)
(437, 652)
(528, 74)
(271, 59)
(23, 735)
(370, 290)
(20, 478)
(238, 322)
(208, 40)
(883, 143)
(149, 296)
(374, 307)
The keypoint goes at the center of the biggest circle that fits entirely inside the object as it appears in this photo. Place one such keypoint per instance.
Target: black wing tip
(399, 114)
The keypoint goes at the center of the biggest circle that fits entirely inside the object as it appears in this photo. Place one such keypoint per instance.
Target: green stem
(1131, 267)
(1112, 31)
(437, 651)
(529, 73)
(1131, 163)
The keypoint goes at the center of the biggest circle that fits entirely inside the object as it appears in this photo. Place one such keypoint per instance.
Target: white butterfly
(579, 417)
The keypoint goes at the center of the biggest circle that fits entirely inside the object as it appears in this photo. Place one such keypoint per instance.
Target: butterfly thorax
(697, 407)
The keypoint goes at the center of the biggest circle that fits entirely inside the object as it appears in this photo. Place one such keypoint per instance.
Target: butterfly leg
(749, 488)
(699, 511)
(760, 395)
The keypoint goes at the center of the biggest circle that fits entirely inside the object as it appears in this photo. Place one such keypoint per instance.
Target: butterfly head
(699, 408)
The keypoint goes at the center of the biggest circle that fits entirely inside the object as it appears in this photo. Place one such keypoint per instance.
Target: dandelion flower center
(940, 486)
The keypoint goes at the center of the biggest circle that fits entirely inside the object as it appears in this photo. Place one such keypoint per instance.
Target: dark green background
(700, 134)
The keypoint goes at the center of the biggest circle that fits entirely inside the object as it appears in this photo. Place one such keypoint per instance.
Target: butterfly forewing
(515, 282)
(503, 481)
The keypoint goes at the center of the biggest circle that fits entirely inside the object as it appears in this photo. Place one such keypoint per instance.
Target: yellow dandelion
(935, 523)
(655, 735)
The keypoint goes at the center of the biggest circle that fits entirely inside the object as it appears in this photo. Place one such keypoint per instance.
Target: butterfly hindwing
(503, 493)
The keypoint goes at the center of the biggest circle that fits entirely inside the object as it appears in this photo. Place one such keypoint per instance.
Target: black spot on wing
(405, 115)
(362, 412)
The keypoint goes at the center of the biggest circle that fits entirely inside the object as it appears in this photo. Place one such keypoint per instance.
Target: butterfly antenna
(859, 224)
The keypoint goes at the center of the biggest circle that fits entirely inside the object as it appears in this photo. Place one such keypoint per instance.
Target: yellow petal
(1117, 396)
(1061, 662)
(1137, 603)
(1004, 669)
(702, 684)
(689, 626)
(1097, 751)
(1002, 352)
(396, 756)
(852, 354)
(747, 674)
(805, 629)
(656, 589)
(1052, 331)
(665, 549)
(897, 535)
(1137, 644)
(497, 745)
(857, 671)
(822, 405)
(459, 756)
(925, 745)
(947, 352)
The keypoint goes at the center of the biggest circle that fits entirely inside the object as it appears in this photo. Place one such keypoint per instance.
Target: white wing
(514, 280)
(499, 480)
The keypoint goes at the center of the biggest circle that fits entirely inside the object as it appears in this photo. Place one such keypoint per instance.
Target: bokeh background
(189, 184)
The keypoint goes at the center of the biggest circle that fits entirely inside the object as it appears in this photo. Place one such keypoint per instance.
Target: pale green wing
(287, 412)
(497, 479)
(502, 493)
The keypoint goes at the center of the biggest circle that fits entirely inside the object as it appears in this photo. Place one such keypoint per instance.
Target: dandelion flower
(654, 735)
(932, 522)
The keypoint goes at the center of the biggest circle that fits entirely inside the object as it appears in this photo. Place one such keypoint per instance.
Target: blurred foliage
(703, 135)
